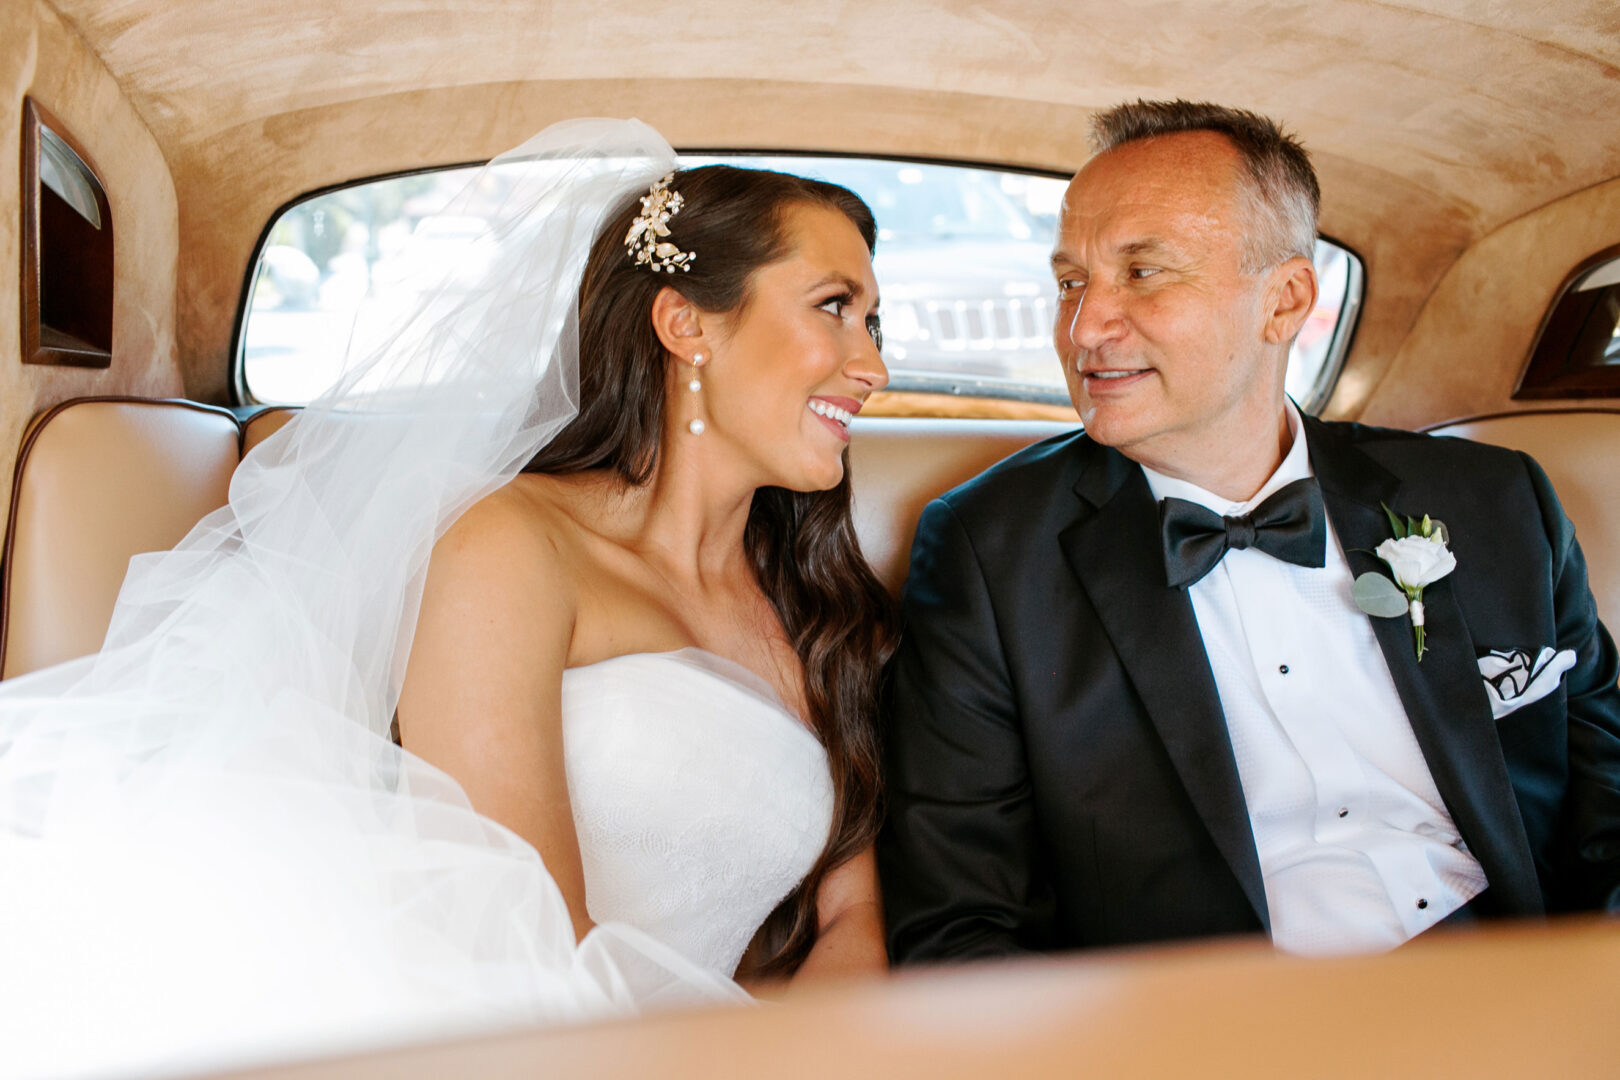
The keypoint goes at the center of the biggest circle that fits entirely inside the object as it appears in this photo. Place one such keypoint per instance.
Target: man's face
(1160, 330)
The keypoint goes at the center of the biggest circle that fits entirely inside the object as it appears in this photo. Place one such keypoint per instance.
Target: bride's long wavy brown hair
(801, 544)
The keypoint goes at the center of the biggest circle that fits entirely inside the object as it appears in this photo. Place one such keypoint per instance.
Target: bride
(630, 649)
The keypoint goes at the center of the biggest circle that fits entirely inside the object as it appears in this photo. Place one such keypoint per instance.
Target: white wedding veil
(210, 851)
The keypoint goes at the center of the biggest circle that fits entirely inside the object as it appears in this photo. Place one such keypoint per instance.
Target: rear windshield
(962, 267)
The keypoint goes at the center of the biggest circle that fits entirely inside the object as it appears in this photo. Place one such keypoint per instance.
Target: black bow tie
(1290, 525)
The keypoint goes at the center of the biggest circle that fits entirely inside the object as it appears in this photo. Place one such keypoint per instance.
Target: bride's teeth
(831, 412)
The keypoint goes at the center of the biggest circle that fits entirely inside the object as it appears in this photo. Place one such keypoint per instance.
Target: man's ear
(1290, 299)
(679, 325)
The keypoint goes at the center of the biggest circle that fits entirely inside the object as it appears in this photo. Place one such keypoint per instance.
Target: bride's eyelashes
(835, 305)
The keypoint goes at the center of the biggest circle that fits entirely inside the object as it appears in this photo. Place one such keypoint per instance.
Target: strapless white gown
(208, 891)
(699, 800)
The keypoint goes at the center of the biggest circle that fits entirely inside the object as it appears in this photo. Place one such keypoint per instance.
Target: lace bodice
(700, 801)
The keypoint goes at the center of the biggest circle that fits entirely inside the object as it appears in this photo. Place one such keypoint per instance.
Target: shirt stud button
(1344, 811)
(1282, 669)
(1422, 903)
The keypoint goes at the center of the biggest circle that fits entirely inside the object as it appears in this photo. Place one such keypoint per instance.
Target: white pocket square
(1513, 679)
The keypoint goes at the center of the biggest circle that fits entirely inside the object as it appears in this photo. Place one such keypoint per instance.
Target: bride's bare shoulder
(531, 521)
(495, 623)
(503, 576)
(534, 544)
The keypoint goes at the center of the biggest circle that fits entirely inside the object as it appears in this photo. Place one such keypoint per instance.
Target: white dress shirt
(1356, 847)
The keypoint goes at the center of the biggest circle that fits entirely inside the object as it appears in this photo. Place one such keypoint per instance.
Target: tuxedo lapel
(1444, 694)
(1115, 551)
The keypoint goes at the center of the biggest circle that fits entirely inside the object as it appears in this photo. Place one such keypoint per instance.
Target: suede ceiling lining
(1432, 123)
(1467, 350)
(219, 224)
(1470, 98)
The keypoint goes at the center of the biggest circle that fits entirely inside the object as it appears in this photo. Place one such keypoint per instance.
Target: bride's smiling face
(798, 359)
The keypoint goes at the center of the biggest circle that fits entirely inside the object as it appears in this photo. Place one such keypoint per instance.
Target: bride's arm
(482, 697)
(849, 923)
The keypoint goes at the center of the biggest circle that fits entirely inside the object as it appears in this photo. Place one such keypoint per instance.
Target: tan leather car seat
(265, 423)
(1578, 448)
(98, 481)
(101, 480)
(898, 465)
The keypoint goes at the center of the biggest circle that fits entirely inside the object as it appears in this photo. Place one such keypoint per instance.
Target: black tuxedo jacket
(1059, 770)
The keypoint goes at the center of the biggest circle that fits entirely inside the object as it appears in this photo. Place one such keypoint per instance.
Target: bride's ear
(678, 324)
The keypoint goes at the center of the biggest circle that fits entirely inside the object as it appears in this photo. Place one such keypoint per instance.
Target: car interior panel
(1202, 1009)
(1574, 446)
(99, 481)
(1468, 163)
(262, 424)
(170, 463)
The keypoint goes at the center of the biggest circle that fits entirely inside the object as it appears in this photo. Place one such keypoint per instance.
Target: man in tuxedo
(1136, 699)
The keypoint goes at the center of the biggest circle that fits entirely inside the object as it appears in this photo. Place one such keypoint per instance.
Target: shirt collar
(1296, 465)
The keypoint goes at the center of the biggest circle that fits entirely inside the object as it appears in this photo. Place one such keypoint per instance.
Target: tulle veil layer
(210, 851)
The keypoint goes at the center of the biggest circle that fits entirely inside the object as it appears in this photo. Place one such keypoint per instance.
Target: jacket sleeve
(958, 856)
(1589, 877)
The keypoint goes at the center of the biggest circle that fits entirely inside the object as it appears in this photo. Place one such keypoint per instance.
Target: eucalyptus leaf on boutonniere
(1418, 555)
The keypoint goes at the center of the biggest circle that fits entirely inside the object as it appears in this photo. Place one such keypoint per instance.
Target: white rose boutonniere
(1418, 555)
(1417, 561)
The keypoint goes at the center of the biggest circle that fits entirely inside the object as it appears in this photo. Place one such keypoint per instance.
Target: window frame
(241, 394)
(1344, 333)
(1547, 373)
(966, 388)
(36, 348)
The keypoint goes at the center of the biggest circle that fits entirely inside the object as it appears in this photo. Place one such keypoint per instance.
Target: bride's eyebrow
(844, 281)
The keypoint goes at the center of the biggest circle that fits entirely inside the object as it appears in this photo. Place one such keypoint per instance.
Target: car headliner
(1433, 125)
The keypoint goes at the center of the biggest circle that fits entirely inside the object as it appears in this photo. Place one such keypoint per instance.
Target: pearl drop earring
(696, 426)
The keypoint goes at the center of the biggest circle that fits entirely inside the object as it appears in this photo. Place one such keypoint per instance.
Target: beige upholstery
(100, 480)
(1577, 447)
(899, 465)
(1505, 1001)
(261, 425)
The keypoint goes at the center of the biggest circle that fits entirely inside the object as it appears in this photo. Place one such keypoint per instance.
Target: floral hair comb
(644, 241)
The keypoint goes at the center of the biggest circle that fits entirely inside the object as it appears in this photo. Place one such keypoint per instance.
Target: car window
(962, 265)
(1578, 351)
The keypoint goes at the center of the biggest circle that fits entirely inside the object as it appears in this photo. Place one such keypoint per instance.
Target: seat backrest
(265, 423)
(102, 480)
(1578, 448)
(898, 465)
(98, 481)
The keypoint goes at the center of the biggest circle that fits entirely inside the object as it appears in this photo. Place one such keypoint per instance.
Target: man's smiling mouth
(1112, 375)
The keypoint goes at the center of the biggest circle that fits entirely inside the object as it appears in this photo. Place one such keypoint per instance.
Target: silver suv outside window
(962, 264)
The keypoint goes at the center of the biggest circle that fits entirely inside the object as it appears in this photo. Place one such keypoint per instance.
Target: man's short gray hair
(1282, 194)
